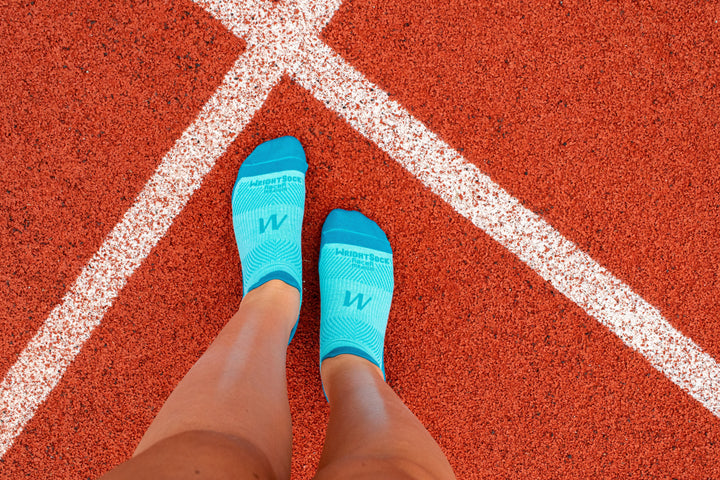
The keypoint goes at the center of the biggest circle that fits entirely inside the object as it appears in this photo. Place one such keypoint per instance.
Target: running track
(546, 173)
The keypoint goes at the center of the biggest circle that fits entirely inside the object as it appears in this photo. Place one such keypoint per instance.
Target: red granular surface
(92, 97)
(603, 118)
(510, 377)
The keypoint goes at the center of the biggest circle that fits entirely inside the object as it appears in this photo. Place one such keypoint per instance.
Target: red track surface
(601, 117)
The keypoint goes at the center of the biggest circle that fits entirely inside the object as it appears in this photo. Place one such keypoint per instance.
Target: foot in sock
(356, 287)
(268, 203)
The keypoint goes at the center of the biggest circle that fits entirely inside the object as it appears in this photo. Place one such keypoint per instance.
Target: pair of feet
(356, 268)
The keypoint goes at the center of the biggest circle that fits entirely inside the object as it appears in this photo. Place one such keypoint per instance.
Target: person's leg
(371, 433)
(229, 417)
(230, 413)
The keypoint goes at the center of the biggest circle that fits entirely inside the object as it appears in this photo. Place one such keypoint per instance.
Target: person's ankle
(277, 288)
(277, 294)
(347, 364)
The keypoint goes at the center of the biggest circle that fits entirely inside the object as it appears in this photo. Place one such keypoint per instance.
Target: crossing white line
(284, 38)
(44, 360)
(474, 195)
(369, 110)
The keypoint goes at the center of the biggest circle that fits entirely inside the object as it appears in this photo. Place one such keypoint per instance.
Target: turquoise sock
(356, 287)
(268, 202)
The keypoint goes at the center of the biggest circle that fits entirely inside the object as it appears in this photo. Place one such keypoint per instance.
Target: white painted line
(474, 195)
(42, 364)
(261, 22)
(281, 31)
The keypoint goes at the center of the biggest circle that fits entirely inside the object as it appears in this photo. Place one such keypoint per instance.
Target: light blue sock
(268, 202)
(356, 287)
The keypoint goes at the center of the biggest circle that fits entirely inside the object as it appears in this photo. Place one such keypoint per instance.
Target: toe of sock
(279, 154)
(354, 228)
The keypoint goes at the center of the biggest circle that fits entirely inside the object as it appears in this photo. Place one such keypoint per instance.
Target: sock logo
(271, 221)
(359, 298)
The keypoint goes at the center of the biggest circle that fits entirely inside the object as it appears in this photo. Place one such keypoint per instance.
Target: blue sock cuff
(276, 275)
(348, 349)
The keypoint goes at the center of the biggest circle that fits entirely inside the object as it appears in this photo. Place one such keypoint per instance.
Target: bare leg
(233, 403)
(371, 433)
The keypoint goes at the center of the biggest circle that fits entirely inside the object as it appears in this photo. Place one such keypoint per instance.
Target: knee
(230, 453)
(372, 468)
(199, 454)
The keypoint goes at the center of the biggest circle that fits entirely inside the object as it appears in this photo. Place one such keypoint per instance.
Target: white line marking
(42, 364)
(475, 196)
(285, 37)
(368, 109)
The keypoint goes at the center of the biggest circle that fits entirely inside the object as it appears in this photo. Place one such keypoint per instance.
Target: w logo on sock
(271, 221)
(358, 298)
